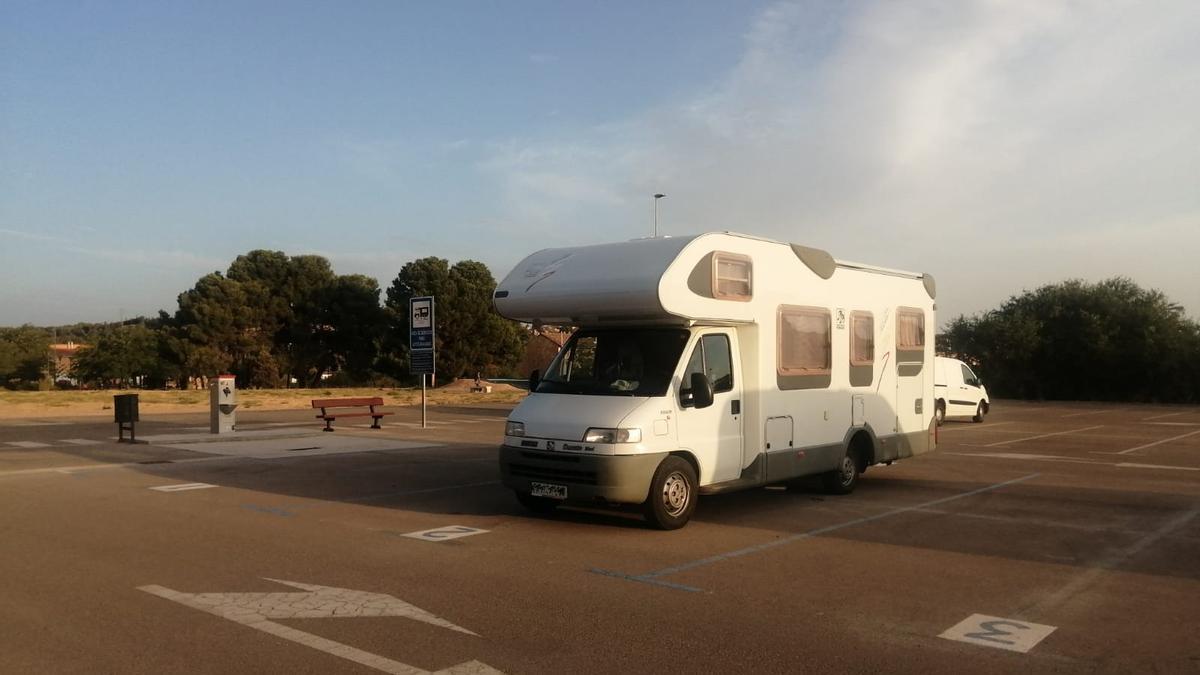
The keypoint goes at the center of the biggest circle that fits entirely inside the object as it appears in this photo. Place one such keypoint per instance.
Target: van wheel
(537, 504)
(939, 412)
(672, 497)
(843, 480)
(979, 413)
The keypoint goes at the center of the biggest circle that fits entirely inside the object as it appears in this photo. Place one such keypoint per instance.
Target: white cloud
(996, 144)
(166, 259)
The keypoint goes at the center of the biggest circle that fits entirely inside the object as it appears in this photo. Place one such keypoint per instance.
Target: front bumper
(624, 479)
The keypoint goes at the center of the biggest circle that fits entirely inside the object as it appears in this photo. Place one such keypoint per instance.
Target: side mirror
(702, 391)
(534, 379)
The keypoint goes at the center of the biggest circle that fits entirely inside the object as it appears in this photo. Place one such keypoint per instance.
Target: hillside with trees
(1106, 341)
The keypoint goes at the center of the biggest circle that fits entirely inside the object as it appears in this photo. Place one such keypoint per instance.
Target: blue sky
(998, 146)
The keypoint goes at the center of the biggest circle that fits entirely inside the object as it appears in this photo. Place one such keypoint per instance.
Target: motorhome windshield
(618, 362)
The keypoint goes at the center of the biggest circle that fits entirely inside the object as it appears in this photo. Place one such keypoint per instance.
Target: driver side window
(969, 377)
(713, 358)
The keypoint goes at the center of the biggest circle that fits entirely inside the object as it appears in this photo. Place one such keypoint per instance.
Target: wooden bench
(328, 406)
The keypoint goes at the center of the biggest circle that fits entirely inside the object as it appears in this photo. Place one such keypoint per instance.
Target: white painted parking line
(1089, 412)
(1134, 465)
(1031, 438)
(998, 632)
(1176, 424)
(1165, 440)
(972, 427)
(80, 441)
(29, 445)
(180, 487)
(445, 533)
(255, 610)
(1022, 455)
(1159, 417)
(1072, 460)
(655, 577)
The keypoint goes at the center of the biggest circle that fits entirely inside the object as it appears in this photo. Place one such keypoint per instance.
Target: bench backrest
(346, 402)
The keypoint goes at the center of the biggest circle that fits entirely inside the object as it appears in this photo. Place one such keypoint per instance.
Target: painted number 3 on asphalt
(999, 632)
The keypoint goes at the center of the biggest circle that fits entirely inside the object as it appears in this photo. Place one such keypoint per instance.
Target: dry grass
(72, 403)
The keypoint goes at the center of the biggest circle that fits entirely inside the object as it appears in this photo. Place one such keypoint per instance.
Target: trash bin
(125, 408)
(125, 414)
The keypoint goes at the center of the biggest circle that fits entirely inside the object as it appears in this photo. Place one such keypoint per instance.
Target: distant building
(543, 345)
(62, 356)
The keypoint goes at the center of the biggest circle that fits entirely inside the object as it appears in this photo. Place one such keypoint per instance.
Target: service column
(222, 404)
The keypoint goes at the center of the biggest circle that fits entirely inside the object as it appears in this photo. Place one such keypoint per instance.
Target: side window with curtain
(862, 349)
(803, 347)
(910, 340)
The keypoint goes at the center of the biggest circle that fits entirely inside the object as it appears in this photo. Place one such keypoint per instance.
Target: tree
(24, 354)
(125, 356)
(471, 337)
(338, 330)
(1110, 340)
(275, 318)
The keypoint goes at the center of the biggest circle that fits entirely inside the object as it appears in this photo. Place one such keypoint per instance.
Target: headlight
(514, 428)
(596, 435)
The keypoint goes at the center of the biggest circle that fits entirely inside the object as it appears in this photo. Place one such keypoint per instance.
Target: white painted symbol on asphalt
(255, 610)
(28, 445)
(445, 533)
(998, 632)
(180, 487)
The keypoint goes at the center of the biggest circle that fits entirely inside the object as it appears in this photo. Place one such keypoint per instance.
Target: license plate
(548, 490)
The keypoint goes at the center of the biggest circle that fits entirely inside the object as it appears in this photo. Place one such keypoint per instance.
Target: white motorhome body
(807, 366)
(958, 391)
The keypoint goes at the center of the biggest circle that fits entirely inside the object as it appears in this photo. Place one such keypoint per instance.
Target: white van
(958, 391)
(710, 363)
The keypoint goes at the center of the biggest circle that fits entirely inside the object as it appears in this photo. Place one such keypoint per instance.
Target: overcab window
(732, 277)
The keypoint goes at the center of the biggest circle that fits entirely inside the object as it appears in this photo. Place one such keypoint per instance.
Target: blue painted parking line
(654, 577)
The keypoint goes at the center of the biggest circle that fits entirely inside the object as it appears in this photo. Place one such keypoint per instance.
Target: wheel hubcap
(676, 493)
(847, 470)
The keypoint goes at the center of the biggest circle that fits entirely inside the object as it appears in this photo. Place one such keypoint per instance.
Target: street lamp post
(657, 197)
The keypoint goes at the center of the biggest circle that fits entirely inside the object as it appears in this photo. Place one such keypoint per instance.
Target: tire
(843, 480)
(939, 412)
(537, 504)
(979, 413)
(672, 497)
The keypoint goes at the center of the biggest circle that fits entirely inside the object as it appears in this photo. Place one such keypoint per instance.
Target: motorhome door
(714, 434)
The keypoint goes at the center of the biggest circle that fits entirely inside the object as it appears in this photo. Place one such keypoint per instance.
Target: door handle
(735, 407)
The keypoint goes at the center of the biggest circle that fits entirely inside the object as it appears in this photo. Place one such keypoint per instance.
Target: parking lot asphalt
(1053, 537)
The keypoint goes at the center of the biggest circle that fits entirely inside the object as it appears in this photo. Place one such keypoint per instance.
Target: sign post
(421, 358)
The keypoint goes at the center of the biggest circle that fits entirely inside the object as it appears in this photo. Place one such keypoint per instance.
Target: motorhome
(714, 362)
(957, 391)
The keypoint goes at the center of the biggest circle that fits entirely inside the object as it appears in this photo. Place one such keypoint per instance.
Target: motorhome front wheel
(672, 495)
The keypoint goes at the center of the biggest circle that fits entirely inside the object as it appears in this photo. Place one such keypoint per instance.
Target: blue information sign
(420, 335)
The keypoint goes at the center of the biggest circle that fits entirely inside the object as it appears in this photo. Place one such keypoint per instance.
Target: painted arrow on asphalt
(257, 609)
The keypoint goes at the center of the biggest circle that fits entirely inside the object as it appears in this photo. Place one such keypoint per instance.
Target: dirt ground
(22, 404)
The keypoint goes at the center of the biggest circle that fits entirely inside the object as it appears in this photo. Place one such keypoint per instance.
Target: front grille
(553, 473)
